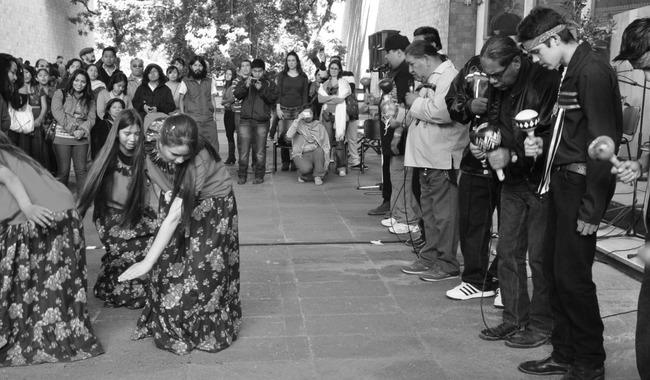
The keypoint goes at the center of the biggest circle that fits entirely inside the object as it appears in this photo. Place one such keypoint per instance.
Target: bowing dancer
(43, 311)
(193, 299)
(119, 190)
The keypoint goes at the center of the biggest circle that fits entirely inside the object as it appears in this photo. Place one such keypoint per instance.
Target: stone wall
(34, 29)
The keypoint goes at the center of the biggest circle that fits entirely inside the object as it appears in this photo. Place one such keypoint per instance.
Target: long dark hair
(6, 88)
(32, 72)
(233, 75)
(117, 78)
(86, 93)
(204, 72)
(182, 130)
(6, 145)
(100, 178)
(285, 70)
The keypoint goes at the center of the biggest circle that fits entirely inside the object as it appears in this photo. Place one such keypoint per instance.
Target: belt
(576, 167)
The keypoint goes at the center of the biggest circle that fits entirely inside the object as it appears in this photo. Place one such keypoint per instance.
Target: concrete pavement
(321, 302)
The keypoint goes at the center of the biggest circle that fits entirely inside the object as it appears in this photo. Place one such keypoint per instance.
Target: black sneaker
(257, 181)
(437, 274)
(241, 180)
(381, 210)
(527, 339)
(230, 161)
(501, 332)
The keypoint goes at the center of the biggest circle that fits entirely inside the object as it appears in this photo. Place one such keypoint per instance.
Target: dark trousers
(439, 203)
(283, 127)
(79, 156)
(522, 226)
(387, 186)
(478, 197)
(338, 147)
(229, 123)
(643, 327)
(252, 136)
(578, 330)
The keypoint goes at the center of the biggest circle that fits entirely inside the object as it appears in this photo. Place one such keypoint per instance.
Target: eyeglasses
(499, 74)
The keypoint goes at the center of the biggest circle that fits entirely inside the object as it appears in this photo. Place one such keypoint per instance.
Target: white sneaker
(466, 291)
(300, 179)
(388, 222)
(402, 228)
(498, 302)
(318, 181)
(342, 173)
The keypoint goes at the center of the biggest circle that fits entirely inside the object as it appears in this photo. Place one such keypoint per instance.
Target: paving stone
(355, 288)
(348, 305)
(368, 324)
(380, 369)
(365, 346)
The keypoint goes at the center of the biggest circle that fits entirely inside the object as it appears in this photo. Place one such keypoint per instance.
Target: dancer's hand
(628, 171)
(136, 270)
(279, 112)
(39, 215)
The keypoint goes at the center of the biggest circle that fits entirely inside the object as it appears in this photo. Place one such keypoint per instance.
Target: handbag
(352, 107)
(22, 120)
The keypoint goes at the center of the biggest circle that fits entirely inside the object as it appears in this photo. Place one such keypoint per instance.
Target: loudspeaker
(375, 48)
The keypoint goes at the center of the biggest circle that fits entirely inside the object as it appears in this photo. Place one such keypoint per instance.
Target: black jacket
(161, 98)
(256, 104)
(592, 103)
(402, 78)
(458, 99)
(536, 88)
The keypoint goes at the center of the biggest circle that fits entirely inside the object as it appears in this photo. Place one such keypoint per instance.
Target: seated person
(310, 147)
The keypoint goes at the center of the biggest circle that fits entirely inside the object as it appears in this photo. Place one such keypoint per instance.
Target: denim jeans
(352, 137)
(311, 163)
(338, 147)
(79, 156)
(521, 229)
(252, 136)
(404, 206)
(439, 202)
(578, 329)
(229, 123)
(478, 197)
(208, 129)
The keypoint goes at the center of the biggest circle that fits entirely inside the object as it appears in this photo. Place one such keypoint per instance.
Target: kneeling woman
(118, 188)
(193, 301)
(43, 310)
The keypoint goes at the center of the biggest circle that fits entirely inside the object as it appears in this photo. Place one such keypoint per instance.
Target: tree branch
(84, 3)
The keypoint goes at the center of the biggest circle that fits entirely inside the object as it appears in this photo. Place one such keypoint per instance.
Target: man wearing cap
(405, 214)
(635, 48)
(87, 56)
(588, 105)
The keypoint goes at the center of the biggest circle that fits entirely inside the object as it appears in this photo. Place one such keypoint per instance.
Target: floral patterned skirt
(43, 310)
(193, 295)
(124, 247)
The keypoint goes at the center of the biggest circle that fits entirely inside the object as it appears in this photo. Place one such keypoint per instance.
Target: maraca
(527, 121)
(386, 85)
(488, 138)
(602, 148)
(365, 82)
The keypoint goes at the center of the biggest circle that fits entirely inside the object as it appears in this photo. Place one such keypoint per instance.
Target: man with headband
(588, 105)
(635, 48)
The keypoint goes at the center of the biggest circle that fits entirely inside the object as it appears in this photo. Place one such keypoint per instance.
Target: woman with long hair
(70, 68)
(74, 111)
(119, 190)
(152, 96)
(174, 84)
(43, 308)
(293, 86)
(332, 94)
(229, 114)
(193, 301)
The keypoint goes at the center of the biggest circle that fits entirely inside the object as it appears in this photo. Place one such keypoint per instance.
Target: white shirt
(182, 88)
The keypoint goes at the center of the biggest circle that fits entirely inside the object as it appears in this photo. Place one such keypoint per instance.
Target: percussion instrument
(602, 148)
(488, 138)
(527, 120)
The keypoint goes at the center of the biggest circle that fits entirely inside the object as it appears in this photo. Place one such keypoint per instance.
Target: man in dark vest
(198, 93)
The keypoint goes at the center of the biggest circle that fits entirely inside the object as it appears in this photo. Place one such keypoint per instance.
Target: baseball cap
(85, 51)
(396, 42)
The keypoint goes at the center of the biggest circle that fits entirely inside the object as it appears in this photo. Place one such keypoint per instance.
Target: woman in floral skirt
(193, 298)
(43, 311)
(118, 188)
